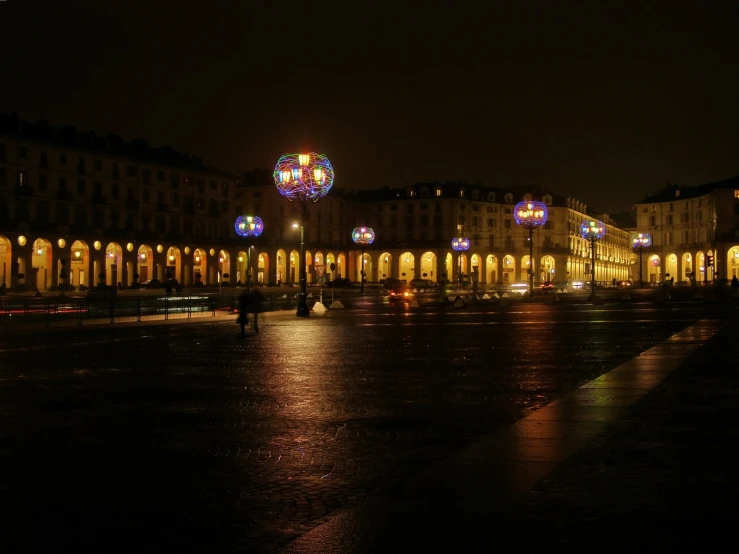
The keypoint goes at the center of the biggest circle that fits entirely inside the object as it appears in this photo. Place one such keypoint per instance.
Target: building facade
(78, 210)
(687, 225)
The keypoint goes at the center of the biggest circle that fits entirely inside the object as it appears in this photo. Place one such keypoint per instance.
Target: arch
(385, 265)
(732, 262)
(654, 266)
(491, 268)
(41, 264)
(428, 266)
(406, 266)
(711, 270)
(700, 266)
(173, 267)
(671, 266)
(6, 260)
(330, 259)
(309, 268)
(241, 267)
(113, 274)
(293, 270)
(144, 264)
(341, 267)
(525, 266)
(547, 269)
(281, 263)
(224, 267)
(262, 268)
(475, 268)
(79, 264)
(686, 267)
(509, 269)
(491, 197)
(199, 267)
(369, 269)
(448, 267)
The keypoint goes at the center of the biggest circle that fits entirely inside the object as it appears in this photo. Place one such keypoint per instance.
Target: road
(189, 438)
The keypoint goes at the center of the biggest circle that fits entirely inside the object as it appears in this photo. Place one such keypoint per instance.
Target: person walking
(245, 301)
(255, 306)
(734, 282)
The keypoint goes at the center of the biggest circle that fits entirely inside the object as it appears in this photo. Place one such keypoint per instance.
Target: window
(62, 184)
(81, 165)
(438, 192)
(62, 159)
(507, 210)
(81, 186)
(671, 207)
(145, 195)
(146, 176)
(80, 214)
(98, 165)
(3, 153)
(461, 193)
(411, 193)
(176, 200)
(43, 211)
(669, 217)
(23, 152)
(174, 180)
(114, 191)
(645, 210)
(652, 221)
(98, 217)
(43, 183)
(161, 176)
(507, 224)
(491, 222)
(212, 185)
(97, 188)
(548, 225)
(43, 159)
(131, 171)
(736, 191)
(3, 177)
(22, 179)
(409, 208)
(115, 173)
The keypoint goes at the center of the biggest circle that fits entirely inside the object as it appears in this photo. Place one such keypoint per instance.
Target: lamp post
(641, 241)
(248, 226)
(530, 215)
(461, 244)
(303, 178)
(363, 236)
(593, 231)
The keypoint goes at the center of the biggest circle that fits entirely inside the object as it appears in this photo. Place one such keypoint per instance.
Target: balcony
(63, 195)
(161, 207)
(99, 199)
(23, 191)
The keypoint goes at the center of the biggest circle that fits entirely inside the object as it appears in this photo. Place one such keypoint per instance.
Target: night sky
(603, 100)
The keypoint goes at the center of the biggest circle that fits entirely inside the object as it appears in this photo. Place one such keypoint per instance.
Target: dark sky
(604, 100)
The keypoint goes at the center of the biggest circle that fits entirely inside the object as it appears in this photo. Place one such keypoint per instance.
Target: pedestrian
(244, 305)
(734, 282)
(255, 306)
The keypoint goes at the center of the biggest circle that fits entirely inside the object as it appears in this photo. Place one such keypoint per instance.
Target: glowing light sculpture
(363, 236)
(641, 241)
(593, 231)
(460, 244)
(303, 178)
(531, 215)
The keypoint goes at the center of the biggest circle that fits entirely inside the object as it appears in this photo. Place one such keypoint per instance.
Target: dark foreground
(186, 438)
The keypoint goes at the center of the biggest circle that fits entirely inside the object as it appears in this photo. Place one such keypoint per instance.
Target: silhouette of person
(255, 306)
(244, 305)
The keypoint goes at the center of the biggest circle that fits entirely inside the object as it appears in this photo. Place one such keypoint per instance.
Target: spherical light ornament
(160, 248)
(592, 230)
(363, 235)
(62, 243)
(187, 250)
(97, 245)
(530, 214)
(249, 226)
(212, 252)
(303, 177)
(642, 240)
(460, 244)
(129, 247)
(22, 240)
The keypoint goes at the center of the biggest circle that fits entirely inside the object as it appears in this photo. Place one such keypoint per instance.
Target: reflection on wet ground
(189, 437)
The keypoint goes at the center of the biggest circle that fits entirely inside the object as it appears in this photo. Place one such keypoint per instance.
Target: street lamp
(363, 236)
(303, 178)
(248, 226)
(530, 215)
(641, 241)
(461, 244)
(593, 231)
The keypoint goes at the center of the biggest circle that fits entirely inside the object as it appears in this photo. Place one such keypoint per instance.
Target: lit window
(461, 193)
(736, 193)
(438, 192)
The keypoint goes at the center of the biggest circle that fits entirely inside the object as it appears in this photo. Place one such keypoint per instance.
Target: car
(400, 293)
(422, 284)
(391, 283)
(152, 284)
(547, 285)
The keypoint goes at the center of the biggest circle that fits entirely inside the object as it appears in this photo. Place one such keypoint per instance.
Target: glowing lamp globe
(460, 244)
(363, 235)
(641, 240)
(248, 226)
(303, 177)
(592, 230)
(530, 214)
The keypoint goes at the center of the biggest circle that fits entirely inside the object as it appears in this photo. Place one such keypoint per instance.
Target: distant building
(688, 224)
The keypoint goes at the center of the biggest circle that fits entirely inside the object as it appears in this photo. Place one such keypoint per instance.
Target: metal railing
(58, 311)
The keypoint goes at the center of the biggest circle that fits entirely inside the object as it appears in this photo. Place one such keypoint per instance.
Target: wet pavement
(187, 438)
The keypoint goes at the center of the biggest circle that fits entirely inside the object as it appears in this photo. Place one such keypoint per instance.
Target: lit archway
(475, 267)
(199, 267)
(428, 266)
(406, 267)
(330, 259)
(385, 265)
(174, 264)
(6, 261)
(79, 262)
(732, 262)
(309, 276)
(241, 262)
(525, 266)
(491, 269)
(281, 263)
(547, 269)
(654, 265)
(671, 266)
(41, 264)
(687, 267)
(711, 269)
(113, 265)
(293, 274)
(509, 269)
(144, 264)
(341, 268)
(224, 267)
(448, 267)
(262, 268)
(369, 269)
